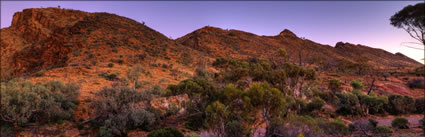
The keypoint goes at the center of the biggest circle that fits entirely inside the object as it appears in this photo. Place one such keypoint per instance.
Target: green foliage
(202, 93)
(234, 128)
(110, 76)
(411, 18)
(371, 103)
(216, 115)
(299, 124)
(326, 96)
(116, 110)
(23, 101)
(263, 96)
(400, 123)
(278, 75)
(282, 52)
(308, 126)
(347, 103)
(420, 105)
(229, 94)
(105, 132)
(193, 135)
(194, 88)
(338, 127)
(110, 65)
(383, 130)
(357, 84)
(398, 104)
(335, 85)
(316, 104)
(39, 73)
(166, 132)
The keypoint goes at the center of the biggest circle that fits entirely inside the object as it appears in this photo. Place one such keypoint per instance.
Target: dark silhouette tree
(412, 19)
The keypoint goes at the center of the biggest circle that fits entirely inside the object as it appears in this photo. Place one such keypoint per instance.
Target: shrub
(165, 66)
(165, 132)
(23, 102)
(335, 85)
(362, 126)
(194, 87)
(193, 135)
(400, 123)
(234, 128)
(417, 83)
(316, 104)
(110, 65)
(105, 132)
(338, 127)
(420, 105)
(383, 130)
(299, 125)
(357, 84)
(120, 61)
(371, 103)
(347, 103)
(398, 104)
(110, 76)
(116, 109)
(141, 118)
(39, 73)
(326, 96)
(373, 123)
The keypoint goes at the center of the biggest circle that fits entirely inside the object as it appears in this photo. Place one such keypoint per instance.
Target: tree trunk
(371, 86)
(16, 128)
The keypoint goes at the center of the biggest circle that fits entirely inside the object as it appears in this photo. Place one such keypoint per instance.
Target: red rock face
(48, 36)
(45, 30)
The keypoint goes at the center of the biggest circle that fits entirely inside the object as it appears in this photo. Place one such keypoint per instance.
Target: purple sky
(357, 22)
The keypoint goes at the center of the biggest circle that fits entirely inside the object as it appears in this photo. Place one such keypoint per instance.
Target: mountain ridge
(42, 38)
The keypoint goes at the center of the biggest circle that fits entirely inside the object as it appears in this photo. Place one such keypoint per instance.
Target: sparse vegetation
(24, 102)
(166, 132)
(116, 111)
(110, 76)
(400, 123)
(40, 73)
(398, 104)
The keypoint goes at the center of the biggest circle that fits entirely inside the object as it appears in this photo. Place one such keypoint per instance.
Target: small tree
(335, 85)
(133, 74)
(357, 84)
(400, 123)
(348, 104)
(412, 19)
(269, 101)
(216, 117)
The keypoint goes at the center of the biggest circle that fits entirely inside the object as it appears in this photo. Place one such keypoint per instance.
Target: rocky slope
(233, 43)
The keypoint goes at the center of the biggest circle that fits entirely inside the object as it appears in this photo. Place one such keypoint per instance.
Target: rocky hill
(233, 43)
